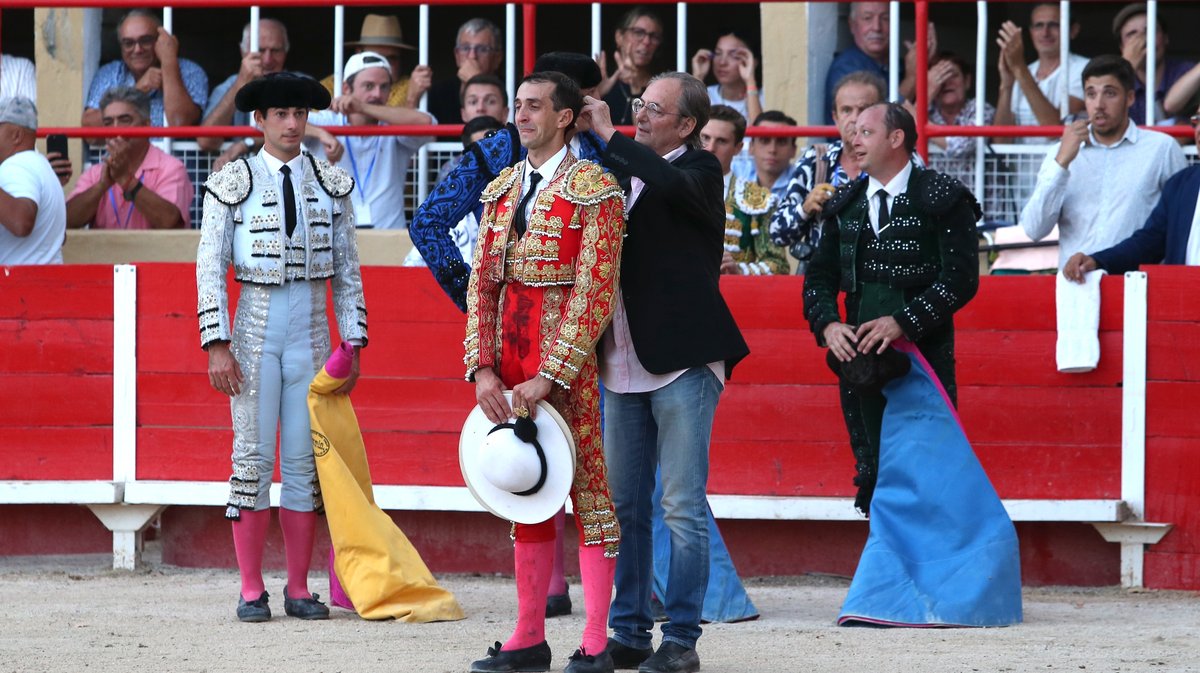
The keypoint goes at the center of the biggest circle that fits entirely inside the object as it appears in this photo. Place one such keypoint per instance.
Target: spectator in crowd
(466, 232)
(458, 193)
(638, 37)
(478, 50)
(1099, 182)
(381, 34)
(950, 104)
(771, 157)
(661, 384)
(869, 24)
(17, 77)
(484, 95)
(1129, 27)
(1171, 235)
(273, 47)
(294, 244)
(748, 205)
(150, 61)
(33, 215)
(379, 164)
(823, 168)
(137, 186)
(1032, 95)
(891, 294)
(733, 65)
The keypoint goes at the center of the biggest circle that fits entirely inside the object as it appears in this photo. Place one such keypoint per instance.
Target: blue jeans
(668, 428)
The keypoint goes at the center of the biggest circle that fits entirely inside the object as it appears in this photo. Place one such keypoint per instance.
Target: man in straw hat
(545, 271)
(285, 221)
(381, 34)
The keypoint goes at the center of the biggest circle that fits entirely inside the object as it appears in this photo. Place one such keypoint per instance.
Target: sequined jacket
(573, 240)
(930, 251)
(748, 208)
(458, 194)
(243, 225)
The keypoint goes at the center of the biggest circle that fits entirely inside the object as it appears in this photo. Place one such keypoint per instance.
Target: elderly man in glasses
(178, 88)
(1171, 234)
(478, 50)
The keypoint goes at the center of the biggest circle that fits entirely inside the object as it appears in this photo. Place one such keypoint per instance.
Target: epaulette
(752, 198)
(500, 186)
(232, 184)
(586, 184)
(335, 181)
(844, 196)
(936, 193)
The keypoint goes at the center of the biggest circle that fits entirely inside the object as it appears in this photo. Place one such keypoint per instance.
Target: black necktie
(519, 218)
(289, 200)
(884, 216)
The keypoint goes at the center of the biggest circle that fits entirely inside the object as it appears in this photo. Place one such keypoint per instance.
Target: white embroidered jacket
(243, 225)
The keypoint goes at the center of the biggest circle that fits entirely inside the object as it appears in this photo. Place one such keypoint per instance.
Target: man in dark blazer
(664, 362)
(1166, 238)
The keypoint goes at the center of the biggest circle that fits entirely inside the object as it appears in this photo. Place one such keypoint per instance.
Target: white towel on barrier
(1078, 307)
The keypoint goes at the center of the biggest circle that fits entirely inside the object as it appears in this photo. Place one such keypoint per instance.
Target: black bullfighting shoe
(531, 659)
(304, 608)
(256, 610)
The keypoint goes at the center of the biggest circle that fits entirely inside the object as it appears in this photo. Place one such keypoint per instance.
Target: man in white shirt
(33, 212)
(379, 164)
(1031, 95)
(1106, 174)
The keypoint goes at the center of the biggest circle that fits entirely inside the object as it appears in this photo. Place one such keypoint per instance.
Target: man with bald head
(900, 243)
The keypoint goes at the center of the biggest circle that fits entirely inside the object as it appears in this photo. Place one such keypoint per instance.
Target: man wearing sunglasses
(1171, 234)
(178, 88)
(664, 362)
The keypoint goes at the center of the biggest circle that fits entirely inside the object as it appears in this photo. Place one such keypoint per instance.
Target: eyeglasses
(643, 34)
(1195, 120)
(653, 109)
(476, 49)
(145, 42)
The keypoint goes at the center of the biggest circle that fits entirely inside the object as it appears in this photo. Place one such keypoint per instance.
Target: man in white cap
(285, 222)
(381, 34)
(33, 213)
(379, 164)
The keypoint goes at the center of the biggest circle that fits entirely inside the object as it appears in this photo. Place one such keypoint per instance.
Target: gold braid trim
(586, 185)
(503, 182)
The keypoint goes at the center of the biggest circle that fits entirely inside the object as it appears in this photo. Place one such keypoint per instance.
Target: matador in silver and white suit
(280, 335)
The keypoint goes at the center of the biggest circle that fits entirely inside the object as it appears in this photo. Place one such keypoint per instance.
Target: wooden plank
(1168, 570)
(1173, 491)
(56, 345)
(766, 302)
(55, 400)
(1173, 351)
(1172, 293)
(1027, 358)
(57, 291)
(1027, 303)
(1171, 409)
(57, 453)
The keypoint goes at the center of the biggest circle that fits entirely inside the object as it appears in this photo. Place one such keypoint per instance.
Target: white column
(681, 53)
(1151, 60)
(1133, 396)
(894, 51)
(339, 47)
(510, 53)
(124, 401)
(597, 43)
(423, 57)
(981, 45)
(1064, 55)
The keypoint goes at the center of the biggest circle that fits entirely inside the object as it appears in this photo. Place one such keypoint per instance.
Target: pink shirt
(160, 172)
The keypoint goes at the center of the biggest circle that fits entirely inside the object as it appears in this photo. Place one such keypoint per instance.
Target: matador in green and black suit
(921, 268)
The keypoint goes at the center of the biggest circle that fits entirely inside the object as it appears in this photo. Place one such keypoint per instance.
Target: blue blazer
(1164, 237)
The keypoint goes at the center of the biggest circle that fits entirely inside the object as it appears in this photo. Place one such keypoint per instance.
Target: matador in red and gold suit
(537, 303)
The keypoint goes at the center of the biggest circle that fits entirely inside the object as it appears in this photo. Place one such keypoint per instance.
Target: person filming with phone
(1102, 180)
(137, 186)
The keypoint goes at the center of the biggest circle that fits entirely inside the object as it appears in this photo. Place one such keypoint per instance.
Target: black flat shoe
(558, 605)
(586, 663)
(624, 657)
(304, 608)
(531, 659)
(256, 610)
(671, 658)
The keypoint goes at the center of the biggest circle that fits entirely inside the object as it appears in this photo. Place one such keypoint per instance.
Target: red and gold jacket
(570, 255)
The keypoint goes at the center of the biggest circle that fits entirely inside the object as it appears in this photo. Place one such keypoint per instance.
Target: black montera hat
(868, 372)
(578, 67)
(282, 89)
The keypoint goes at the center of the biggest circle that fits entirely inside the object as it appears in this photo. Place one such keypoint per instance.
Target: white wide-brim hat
(498, 467)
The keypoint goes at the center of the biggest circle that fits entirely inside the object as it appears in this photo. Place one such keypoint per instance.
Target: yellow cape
(378, 567)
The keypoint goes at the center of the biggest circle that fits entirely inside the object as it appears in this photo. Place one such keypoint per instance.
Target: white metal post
(510, 54)
(124, 402)
(1151, 60)
(1064, 55)
(596, 39)
(255, 15)
(894, 51)
(168, 23)
(339, 47)
(1133, 396)
(981, 45)
(681, 55)
(423, 57)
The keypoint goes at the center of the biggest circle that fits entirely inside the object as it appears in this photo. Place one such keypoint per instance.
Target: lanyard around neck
(112, 201)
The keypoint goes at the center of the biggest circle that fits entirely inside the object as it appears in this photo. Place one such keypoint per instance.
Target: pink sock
(339, 362)
(558, 580)
(533, 564)
(298, 531)
(249, 536)
(597, 571)
(337, 595)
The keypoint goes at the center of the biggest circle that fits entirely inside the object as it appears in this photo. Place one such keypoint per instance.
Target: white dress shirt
(1105, 194)
(895, 187)
(547, 171)
(296, 163)
(1192, 256)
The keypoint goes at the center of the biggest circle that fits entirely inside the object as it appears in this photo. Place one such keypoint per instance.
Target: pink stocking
(533, 565)
(597, 572)
(298, 531)
(249, 536)
(558, 580)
